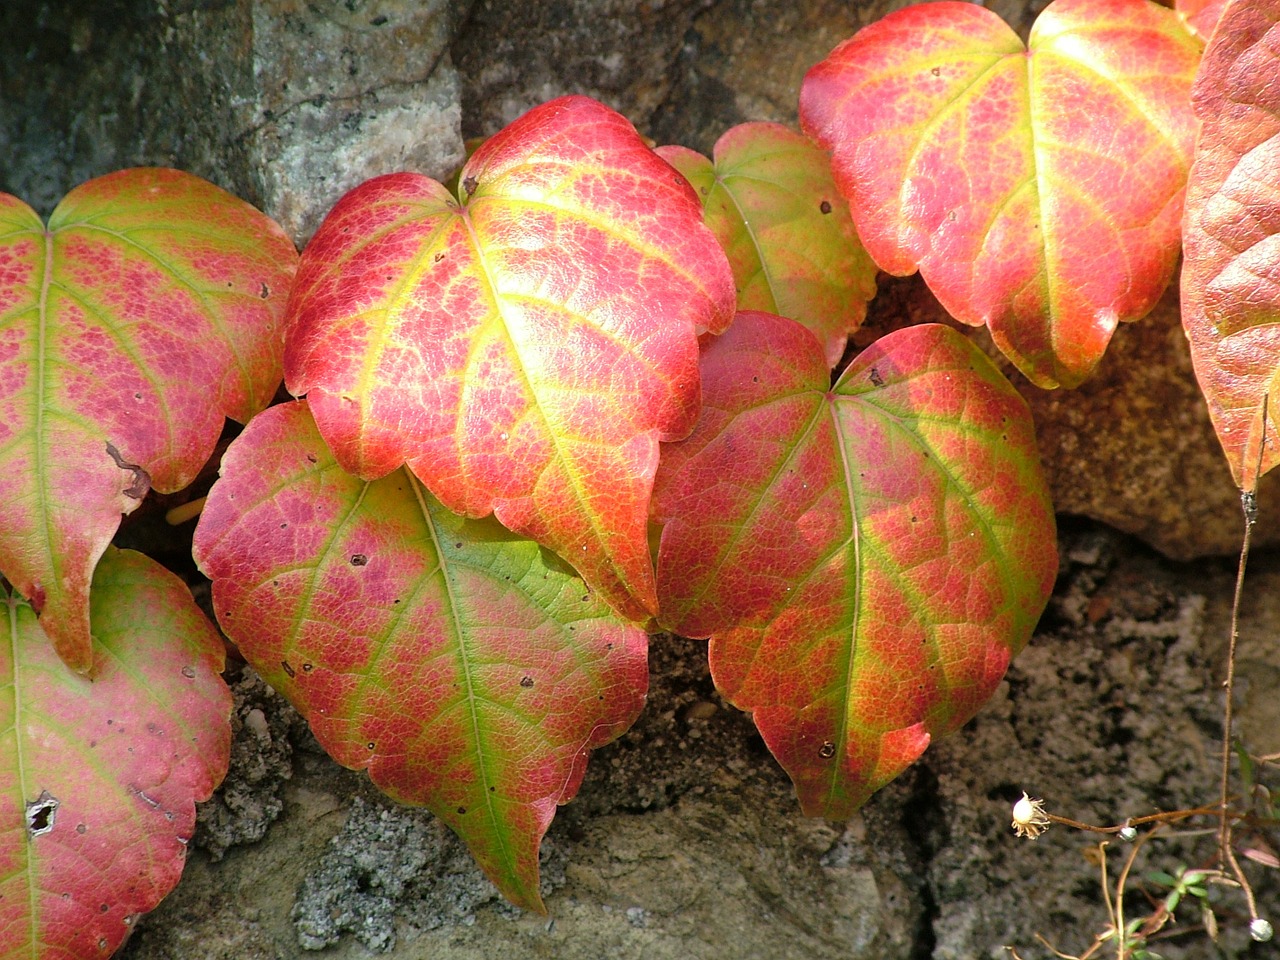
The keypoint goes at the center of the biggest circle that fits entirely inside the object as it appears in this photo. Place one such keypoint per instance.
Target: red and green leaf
(1200, 16)
(524, 347)
(453, 661)
(1231, 267)
(770, 199)
(865, 558)
(99, 778)
(1037, 189)
(148, 309)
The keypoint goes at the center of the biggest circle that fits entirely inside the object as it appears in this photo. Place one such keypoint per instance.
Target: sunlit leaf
(865, 558)
(99, 778)
(1037, 189)
(1231, 268)
(522, 347)
(148, 309)
(1200, 16)
(770, 199)
(445, 656)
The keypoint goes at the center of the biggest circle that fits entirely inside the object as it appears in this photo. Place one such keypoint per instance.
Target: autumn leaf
(99, 778)
(1037, 189)
(450, 659)
(1231, 267)
(769, 197)
(148, 309)
(1200, 16)
(524, 346)
(866, 557)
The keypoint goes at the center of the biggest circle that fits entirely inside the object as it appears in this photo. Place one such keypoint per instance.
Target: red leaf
(865, 558)
(99, 779)
(1200, 16)
(1231, 267)
(149, 309)
(770, 199)
(975, 160)
(523, 351)
(444, 655)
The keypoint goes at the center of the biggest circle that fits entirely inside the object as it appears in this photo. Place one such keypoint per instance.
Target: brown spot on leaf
(287, 667)
(469, 185)
(141, 479)
(825, 206)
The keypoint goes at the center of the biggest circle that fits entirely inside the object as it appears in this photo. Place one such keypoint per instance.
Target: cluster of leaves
(592, 392)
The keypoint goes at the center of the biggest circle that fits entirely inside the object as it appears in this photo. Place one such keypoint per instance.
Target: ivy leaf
(148, 309)
(769, 197)
(99, 778)
(1200, 16)
(450, 659)
(523, 348)
(866, 557)
(971, 158)
(1231, 267)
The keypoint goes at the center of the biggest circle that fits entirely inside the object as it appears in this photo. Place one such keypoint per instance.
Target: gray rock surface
(286, 103)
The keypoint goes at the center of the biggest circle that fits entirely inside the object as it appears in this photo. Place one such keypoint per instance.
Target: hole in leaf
(825, 206)
(462, 811)
(288, 669)
(827, 750)
(189, 672)
(264, 291)
(308, 667)
(42, 813)
(359, 559)
(526, 682)
(81, 829)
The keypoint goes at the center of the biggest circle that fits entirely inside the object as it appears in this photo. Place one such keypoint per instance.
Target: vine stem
(1249, 505)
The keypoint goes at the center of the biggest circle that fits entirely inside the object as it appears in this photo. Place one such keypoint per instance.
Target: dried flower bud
(1029, 818)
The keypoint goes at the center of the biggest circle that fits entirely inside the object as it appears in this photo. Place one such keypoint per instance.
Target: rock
(263, 726)
(514, 56)
(286, 103)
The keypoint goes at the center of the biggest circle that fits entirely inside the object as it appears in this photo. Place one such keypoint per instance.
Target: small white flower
(1029, 818)
(1260, 930)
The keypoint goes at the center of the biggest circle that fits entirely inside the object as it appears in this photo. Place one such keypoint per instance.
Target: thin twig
(1249, 505)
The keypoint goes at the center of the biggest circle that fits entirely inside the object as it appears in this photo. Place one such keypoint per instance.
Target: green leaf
(443, 655)
(771, 201)
(523, 346)
(99, 778)
(1038, 189)
(866, 557)
(148, 310)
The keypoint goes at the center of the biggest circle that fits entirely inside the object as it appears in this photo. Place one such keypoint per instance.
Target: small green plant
(591, 392)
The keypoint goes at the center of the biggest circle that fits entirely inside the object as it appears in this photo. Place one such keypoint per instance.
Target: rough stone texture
(287, 103)
(513, 56)
(262, 730)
